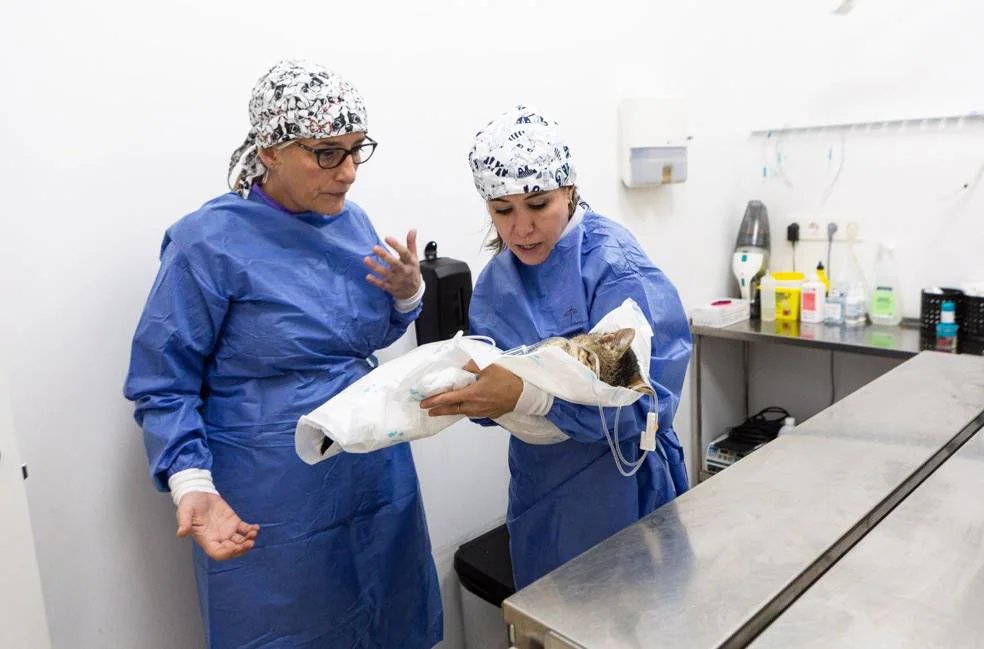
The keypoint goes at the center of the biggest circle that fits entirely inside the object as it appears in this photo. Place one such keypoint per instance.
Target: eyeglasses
(330, 157)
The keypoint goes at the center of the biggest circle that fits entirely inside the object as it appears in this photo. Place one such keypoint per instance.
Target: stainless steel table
(902, 342)
(916, 581)
(719, 564)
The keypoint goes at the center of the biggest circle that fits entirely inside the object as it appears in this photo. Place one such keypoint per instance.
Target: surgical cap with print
(294, 100)
(520, 152)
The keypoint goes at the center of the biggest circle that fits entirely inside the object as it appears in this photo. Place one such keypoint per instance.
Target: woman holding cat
(560, 268)
(261, 311)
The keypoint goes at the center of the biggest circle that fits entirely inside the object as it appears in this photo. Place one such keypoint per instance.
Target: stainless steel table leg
(696, 437)
(747, 365)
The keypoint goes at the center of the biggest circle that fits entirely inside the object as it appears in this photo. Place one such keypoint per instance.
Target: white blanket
(383, 408)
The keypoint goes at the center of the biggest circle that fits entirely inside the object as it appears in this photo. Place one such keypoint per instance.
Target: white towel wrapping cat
(383, 407)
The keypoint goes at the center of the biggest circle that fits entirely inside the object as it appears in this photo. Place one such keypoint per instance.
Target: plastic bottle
(854, 306)
(787, 426)
(823, 276)
(767, 291)
(946, 329)
(788, 287)
(886, 299)
(812, 300)
(833, 313)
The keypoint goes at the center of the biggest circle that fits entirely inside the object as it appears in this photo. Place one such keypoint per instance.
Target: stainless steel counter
(902, 342)
(898, 342)
(915, 581)
(716, 566)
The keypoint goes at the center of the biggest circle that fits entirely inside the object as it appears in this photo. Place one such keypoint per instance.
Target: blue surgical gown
(258, 316)
(566, 498)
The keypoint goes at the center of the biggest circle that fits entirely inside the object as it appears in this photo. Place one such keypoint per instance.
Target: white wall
(22, 615)
(120, 117)
(902, 183)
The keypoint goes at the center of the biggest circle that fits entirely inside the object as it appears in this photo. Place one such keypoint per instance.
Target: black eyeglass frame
(320, 152)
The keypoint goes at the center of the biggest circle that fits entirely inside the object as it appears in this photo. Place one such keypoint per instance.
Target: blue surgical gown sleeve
(671, 345)
(175, 336)
(399, 322)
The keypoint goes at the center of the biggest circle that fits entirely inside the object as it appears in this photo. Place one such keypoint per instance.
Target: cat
(617, 364)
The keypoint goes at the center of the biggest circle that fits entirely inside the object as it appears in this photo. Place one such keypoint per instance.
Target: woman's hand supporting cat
(494, 394)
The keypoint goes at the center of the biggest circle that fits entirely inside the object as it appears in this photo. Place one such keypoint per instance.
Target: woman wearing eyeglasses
(264, 308)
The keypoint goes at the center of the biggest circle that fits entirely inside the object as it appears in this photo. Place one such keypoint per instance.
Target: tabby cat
(617, 364)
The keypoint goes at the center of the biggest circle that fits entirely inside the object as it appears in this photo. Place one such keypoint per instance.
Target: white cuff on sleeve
(409, 304)
(189, 480)
(533, 401)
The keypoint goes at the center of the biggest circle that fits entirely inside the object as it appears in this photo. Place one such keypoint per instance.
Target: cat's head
(610, 355)
(607, 346)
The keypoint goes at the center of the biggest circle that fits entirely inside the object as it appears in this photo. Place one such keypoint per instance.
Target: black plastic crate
(970, 345)
(972, 324)
(932, 303)
(927, 340)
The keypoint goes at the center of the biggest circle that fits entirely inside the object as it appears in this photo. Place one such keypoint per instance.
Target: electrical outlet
(815, 229)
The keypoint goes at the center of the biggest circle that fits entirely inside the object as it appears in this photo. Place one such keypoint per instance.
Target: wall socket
(815, 229)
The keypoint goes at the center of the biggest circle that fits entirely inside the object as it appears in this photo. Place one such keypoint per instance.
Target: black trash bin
(484, 569)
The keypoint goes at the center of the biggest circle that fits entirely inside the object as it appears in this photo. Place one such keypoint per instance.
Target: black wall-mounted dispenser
(446, 298)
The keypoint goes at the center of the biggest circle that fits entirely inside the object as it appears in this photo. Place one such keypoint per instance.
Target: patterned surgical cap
(294, 100)
(520, 152)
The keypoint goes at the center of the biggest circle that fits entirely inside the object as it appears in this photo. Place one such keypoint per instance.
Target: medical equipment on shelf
(767, 298)
(722, 312)
(752, 247)
(886, 296)
(745, 438)
(855, 313)
(833, 308)
(947, 328)
(813, 299)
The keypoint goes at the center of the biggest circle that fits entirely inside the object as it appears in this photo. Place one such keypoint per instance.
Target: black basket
(927, 341)
(972, 323)
(970, 345)
(932, 302)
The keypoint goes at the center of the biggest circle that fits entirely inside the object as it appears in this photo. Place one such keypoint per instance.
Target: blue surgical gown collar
(257, 195)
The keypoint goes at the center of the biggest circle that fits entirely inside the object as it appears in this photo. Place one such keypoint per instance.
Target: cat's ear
(623, 339)
(557, 342)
